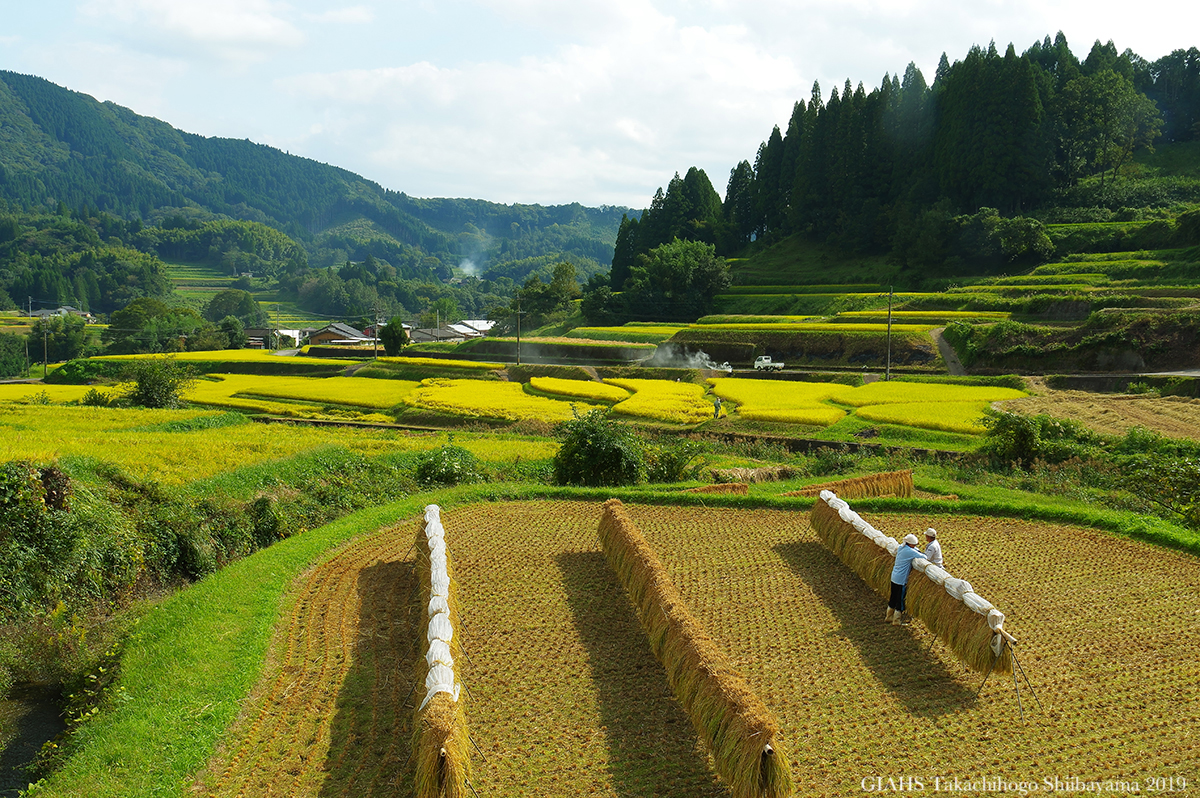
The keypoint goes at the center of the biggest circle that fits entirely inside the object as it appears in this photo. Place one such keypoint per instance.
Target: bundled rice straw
(730, 718)
(969, 625)
(753, 475)
(891, 483)
(740, 488)
(440, 742)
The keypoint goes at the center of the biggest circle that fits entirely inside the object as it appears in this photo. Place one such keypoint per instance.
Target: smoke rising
(675, 356)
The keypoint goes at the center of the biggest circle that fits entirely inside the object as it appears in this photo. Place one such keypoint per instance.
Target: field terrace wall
(441, 743)
(967, 623)
(891, 483)
(733, 722)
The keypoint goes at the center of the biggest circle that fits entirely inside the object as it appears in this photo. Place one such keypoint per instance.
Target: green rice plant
(580, 389)
(441, 740)
(964, 417)
(735, 725)
(966, 632)
(647, 335)
(818, 326)
(664, 400)
(890, 483)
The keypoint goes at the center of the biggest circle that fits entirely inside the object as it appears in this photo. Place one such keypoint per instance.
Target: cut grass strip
(736, 726)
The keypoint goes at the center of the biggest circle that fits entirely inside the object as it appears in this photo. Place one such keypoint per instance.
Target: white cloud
(238, 32)
(637, 106)
(350, 15)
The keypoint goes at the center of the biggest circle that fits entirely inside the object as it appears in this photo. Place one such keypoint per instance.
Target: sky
(532, 101)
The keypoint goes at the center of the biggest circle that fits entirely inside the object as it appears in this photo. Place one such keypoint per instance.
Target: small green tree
(234, 331)
(158, 382)
(12, 355)
(598, 452)
(393, 337)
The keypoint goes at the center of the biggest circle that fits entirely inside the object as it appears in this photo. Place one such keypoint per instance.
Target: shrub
(598, 452)
(95, 398)
(448, 465)
(673, 462)
(158, 382)
(1016, 439)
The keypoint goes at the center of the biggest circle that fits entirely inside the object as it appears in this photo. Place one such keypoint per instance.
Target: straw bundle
(441, 741)
(753, 475)
(733, 722)
(740, 488)
(891, 483)
(964, 621)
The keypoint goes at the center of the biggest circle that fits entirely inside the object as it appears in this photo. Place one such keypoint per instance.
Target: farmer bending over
(904, 559)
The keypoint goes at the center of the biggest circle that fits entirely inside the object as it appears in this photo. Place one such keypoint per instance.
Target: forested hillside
(905, 168)
(64, 148)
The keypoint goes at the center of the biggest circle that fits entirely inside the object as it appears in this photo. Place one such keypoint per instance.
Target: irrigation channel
(34, 719)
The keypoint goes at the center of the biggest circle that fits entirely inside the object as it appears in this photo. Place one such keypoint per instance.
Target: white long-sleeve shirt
(933, 553)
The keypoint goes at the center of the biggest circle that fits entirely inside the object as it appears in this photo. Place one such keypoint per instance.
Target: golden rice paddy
(664, 400)
(566, 698)
(497, 400)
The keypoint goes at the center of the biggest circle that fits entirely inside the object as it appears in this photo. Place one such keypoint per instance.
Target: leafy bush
(1172, 484)
(95, 398)
(676, 461)
(1016, 439)
(597, 451)
(448, 465)
(158, 382)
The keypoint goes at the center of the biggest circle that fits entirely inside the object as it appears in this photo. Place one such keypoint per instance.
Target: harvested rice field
(565, 699)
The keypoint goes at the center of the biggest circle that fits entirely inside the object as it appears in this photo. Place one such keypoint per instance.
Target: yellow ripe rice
(380, 394)
(442, 363)
(882, 393)
(664, 400)
(236, 355)
(776, 400)
(580, 389)
(27, 392)
(964, 417)
(485, 399)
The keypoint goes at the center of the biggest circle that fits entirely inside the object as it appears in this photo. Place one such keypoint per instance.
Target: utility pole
(375, 336)
(888, 374)
(518, 329)
(45, 351)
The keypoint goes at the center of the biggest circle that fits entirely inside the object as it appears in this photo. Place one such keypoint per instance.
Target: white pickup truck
(764, 363)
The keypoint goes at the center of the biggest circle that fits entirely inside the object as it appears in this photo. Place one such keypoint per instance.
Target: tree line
(915, 168)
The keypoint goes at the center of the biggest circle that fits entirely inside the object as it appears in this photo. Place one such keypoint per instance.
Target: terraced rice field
(565, 699)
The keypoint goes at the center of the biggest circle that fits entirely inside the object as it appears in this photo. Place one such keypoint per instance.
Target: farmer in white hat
(904, 560)
(933, 552)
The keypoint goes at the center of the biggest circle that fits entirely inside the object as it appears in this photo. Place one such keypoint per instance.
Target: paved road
(953, 364)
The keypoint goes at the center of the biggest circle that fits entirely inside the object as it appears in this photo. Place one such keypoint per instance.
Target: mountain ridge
(64, 146)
